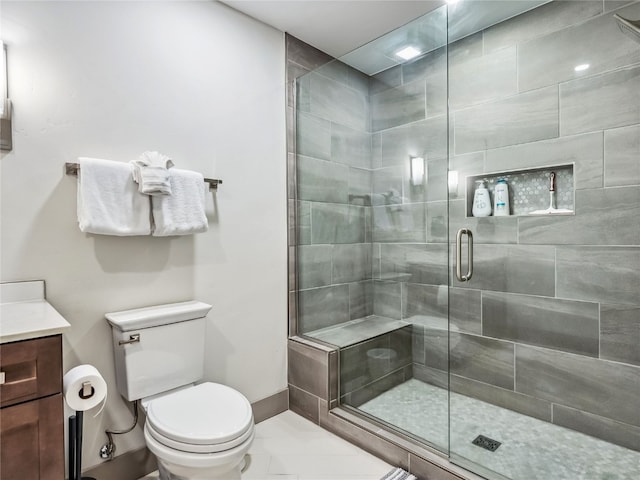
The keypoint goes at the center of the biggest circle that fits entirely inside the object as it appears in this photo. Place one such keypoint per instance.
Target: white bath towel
(183, 212)
(109, 202)
(151, 173)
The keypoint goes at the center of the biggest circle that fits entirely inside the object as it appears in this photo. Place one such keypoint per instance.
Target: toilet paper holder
(87, 390)
(84, 388)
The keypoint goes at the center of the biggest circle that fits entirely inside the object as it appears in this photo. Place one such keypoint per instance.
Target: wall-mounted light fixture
(5, 104)
(452, 181)
(417, 168)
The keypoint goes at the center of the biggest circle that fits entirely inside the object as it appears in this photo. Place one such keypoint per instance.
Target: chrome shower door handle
(459, 276)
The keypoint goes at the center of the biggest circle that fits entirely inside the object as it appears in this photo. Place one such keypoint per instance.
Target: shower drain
(486, 443)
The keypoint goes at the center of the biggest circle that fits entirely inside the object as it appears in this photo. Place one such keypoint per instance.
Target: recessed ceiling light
(581, 67)
(408, 53)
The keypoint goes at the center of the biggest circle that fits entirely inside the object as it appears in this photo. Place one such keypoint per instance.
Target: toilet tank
(158, 348)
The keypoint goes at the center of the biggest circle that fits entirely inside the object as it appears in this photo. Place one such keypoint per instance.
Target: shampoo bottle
(481, 201)
(501, 199)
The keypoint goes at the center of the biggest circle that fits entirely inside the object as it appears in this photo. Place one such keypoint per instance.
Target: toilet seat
(206, 418)
(166, 454)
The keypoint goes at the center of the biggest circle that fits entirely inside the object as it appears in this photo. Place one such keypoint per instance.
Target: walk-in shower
(530, 369)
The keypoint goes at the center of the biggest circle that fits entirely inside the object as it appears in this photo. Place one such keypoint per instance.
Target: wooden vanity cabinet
(31, 413)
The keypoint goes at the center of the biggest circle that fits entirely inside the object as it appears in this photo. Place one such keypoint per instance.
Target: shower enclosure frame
(313, 368)
(326, 357)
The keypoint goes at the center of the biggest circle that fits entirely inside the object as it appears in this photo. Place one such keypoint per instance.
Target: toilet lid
(206, 414)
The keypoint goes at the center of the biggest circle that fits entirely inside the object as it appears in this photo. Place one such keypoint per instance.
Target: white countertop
(25, 314)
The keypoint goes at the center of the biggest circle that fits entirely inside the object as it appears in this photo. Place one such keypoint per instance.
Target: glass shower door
(544, 350)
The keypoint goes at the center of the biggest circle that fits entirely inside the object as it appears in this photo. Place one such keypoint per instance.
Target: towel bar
(72, 169)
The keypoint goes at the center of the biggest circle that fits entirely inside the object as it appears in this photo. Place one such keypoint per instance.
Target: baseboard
(128, 466)
(138, 463)
(270, 406)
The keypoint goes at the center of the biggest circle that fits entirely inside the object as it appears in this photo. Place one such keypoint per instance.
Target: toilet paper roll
(84, 387)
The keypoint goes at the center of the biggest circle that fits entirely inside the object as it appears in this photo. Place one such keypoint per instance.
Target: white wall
(198, 82)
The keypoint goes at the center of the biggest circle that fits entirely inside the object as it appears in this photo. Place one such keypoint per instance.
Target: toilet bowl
(199, 432)
(196, 431)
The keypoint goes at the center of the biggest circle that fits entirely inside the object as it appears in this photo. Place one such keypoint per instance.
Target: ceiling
(368, 34)
(335, 26)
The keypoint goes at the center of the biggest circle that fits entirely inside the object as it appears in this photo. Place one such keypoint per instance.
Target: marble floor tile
(288, 447)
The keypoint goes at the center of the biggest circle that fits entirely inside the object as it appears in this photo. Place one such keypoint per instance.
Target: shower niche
(530, 190)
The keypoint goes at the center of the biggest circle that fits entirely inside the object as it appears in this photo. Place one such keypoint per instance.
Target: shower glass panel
(372, 222)
(545, 360)
(530, 369)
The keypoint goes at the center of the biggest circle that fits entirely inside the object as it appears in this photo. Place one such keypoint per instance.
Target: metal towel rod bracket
(71, 168)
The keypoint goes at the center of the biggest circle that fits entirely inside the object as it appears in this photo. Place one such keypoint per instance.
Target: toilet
(196, 430)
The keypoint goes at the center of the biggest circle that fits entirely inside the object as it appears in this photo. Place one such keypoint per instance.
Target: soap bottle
(481, 201)
(501, 199)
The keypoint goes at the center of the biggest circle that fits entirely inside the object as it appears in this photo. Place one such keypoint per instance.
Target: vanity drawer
(32, 438)
(30, 369)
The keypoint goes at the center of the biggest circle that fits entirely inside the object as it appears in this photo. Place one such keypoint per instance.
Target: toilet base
(233, 474)
(178, 465)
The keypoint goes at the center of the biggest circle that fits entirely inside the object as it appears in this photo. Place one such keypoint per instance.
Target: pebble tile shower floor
(530, 449)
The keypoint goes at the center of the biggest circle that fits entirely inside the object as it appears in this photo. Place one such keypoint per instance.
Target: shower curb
(422, 462)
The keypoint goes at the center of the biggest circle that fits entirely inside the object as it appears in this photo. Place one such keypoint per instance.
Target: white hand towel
(151, 173)
(156, 159)
(183, 212)
(108, 201)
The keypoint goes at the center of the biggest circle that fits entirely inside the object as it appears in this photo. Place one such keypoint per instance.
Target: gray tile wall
(600, 387)
(550, 59)
(548, 322)
(595, 254)
(333, 185)
(601, 102)
(532, 116)
(315, 146)
(623, 434)
(561, 291)
(622, 150)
